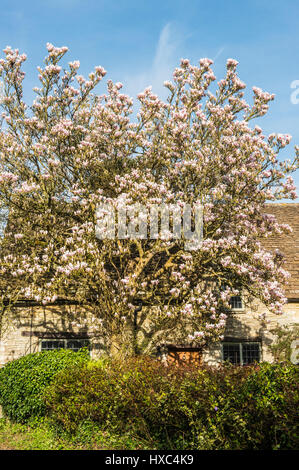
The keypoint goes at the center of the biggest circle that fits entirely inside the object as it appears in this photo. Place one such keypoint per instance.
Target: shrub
(256, 409)
(23, 381)
(228, 407)
(118, 396)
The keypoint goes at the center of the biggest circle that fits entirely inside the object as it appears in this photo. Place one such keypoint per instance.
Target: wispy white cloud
(170, 45)
(166, 58)
(219, 52)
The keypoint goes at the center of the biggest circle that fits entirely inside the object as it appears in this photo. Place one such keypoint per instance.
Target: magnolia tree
(73, 151)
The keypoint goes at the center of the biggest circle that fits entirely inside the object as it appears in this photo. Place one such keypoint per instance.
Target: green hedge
(227, 407)
(194, 408)
(22, 381)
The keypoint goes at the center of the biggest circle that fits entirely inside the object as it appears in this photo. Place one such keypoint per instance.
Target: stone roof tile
(288, 245)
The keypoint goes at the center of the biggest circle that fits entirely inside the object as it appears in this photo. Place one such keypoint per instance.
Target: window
(73, 344)
(236, 302)
(241, 353)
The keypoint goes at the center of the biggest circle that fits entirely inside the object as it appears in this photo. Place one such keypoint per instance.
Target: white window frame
(240, 344)
(238, 309)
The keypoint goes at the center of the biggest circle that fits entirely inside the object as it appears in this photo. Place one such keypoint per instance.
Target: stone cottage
(247, 336)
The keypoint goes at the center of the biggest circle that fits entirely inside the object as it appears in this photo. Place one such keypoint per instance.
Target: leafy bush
(252, 407)
(23, 381)
(112, 396)
(259, 410)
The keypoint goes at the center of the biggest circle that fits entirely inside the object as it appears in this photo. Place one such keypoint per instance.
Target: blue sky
(140, 42)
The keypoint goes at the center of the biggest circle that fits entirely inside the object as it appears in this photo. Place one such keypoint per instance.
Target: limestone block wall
(25, 327)
(247, 325)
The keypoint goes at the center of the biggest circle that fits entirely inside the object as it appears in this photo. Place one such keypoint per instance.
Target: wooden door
(184, 356)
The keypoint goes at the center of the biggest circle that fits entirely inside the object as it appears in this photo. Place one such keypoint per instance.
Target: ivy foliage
(23, 381)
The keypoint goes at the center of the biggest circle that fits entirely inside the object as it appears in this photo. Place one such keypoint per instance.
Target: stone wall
(247, 325)
(25, 328)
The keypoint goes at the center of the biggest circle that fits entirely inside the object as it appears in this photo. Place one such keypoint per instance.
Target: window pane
(231, 353)
(48, 345)
(76, 344)
(250, 353)
(236, 302)
(73, 344)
